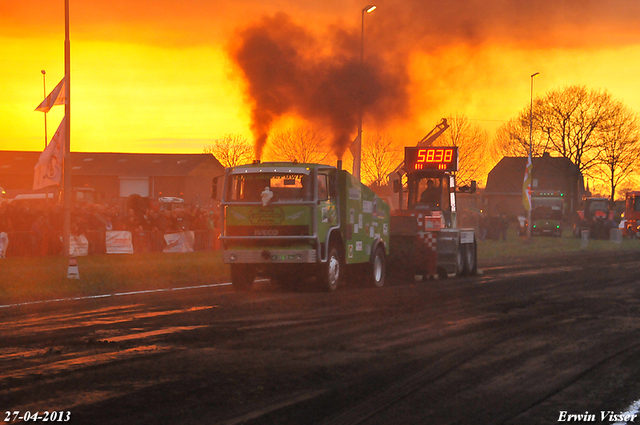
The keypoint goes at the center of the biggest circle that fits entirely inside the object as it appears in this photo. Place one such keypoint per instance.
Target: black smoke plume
(289, 71)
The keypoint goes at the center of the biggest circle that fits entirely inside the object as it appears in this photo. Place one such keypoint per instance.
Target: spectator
(180, 220)
(504, 225)
(43, 228)
(482, 226)
(40, 236)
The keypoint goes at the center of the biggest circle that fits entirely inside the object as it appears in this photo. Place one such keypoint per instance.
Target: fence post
(615, 236)
(584, 238)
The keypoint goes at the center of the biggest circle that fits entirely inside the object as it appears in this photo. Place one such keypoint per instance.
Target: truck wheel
(330, 273)
(242, 277)
(460, 260)
(470, 259)
(378, 268)
(442, 273)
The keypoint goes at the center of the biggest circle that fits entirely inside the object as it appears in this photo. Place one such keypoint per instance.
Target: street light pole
(367, 9)
(66, 167)
(44, 85)
(357, 160)
(530, 155)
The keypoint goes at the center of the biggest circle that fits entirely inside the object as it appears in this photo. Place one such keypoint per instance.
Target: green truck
(288, 222)
(547, 213)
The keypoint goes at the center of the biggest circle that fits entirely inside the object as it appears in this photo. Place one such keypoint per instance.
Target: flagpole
(44, 85)
(66, 186)
(529, 224)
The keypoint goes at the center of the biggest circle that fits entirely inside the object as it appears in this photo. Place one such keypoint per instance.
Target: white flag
(58, 96)
(48, 170)
(526, 186)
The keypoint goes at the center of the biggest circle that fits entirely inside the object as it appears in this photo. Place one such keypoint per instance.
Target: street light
(367, 9)
(357, 160)
(44, 84)
(530, 155)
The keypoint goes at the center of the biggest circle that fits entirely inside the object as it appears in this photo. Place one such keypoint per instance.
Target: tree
(574, 118)
(589, 127)
(512, 139)
(473, 146)
(380, 156)
(231, 150)
(298, 144)
(618, 149)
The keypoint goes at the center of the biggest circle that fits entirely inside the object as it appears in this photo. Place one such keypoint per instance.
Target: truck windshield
(546, 212)
(283, 187)
(599, 205)
(425, 192)
(547, 208)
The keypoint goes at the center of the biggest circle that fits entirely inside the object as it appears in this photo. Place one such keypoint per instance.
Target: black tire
(460, 260)
(377, 268)
(470, 259)
(242, 277)
(330, 276)
(442, 273)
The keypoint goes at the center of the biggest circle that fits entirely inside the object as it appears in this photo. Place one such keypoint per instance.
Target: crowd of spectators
(45, 223)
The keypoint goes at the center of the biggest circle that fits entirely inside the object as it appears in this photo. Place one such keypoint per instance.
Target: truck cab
(632, 215)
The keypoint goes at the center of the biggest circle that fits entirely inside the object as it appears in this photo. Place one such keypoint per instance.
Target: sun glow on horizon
(152, 83)
(125, 97)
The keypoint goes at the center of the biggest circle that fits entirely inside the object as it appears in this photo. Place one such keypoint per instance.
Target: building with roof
(115, 175)
(551, 175)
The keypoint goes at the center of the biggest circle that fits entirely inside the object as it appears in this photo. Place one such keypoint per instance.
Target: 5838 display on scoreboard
(431, 158)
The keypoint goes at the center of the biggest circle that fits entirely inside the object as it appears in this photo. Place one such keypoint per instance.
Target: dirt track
(518, 345)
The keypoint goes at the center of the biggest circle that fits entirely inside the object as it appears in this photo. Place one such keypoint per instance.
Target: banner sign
(78, 245)
(119, 242)
(179, 242)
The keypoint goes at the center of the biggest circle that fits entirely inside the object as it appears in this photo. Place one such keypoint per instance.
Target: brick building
(114, 175)
(503, 193)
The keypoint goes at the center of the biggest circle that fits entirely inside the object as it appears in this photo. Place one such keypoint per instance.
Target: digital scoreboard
(430, 158)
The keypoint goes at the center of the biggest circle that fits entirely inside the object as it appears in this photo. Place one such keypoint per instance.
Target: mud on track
(516, 345)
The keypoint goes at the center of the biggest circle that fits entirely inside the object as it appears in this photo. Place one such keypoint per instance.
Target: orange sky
(157, 75)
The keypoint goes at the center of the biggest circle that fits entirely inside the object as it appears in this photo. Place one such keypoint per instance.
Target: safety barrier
(21, 244)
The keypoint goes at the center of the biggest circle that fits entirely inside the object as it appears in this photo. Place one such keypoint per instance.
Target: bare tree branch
(380, 156)
(298, 144)
(231, 150)
(619, 148)
(473, 147)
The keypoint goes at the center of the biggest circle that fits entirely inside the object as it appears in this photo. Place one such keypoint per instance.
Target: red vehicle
(596, 217)
(632, 215)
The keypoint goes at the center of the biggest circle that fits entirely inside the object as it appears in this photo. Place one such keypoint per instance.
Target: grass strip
(26, 279)
(39, 278)
(545, 246)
